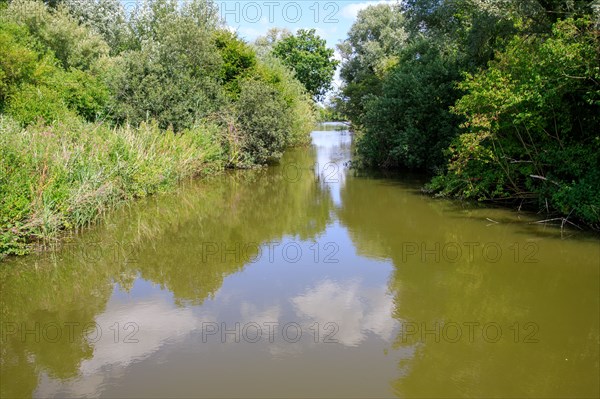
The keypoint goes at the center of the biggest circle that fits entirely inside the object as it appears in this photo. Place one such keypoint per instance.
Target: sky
(253, 18)
(331, 19)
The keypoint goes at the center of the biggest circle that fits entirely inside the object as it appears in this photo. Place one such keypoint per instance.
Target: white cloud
(252, 314)
(354, 308)
(157, 323)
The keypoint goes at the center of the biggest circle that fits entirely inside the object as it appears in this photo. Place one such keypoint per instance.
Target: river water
(305, 279)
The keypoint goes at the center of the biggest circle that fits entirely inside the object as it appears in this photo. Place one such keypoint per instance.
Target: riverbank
(496, 115)
(97, 111)
(65, 176)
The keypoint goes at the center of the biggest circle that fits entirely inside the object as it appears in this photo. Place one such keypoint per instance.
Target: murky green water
(305, 279)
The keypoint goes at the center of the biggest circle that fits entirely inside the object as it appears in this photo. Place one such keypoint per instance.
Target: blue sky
(331, 19)
(252, 18)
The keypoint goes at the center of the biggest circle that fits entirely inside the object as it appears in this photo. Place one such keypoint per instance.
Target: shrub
(533, 121)
(301, 109)
(173, 78)
(406, 126)
(105, 17)
(34, 85)
(73, 45)
(239, 60)
(262, 120)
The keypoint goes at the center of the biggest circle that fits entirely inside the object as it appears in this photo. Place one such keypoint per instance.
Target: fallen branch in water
(563, 221)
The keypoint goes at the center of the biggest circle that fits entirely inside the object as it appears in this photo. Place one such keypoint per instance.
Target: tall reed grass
(65, 175)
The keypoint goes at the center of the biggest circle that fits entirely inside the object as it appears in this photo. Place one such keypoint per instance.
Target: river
(305, 279)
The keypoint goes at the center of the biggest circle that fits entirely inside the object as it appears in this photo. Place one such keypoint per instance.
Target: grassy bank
(65, 175)
(99, 106)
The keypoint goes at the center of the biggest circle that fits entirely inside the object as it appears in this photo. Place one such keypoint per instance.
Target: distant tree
(264, 44)
(307, 54)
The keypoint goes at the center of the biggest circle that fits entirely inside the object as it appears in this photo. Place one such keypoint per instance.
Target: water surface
(305, 279)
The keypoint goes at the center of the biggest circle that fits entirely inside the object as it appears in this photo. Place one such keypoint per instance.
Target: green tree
(174, 76)
(261, 114)
(34, 84)
(307, 54)
(238, 57)
(264, 44)
(372, 46)
(106, 17)
(74, 45)
(533, 119)
(409, 125)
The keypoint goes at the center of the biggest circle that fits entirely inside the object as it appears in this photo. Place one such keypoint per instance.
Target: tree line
(497, 100)
(98, 105)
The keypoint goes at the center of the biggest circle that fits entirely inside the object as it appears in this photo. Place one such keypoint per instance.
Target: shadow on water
(454, 271)
(411, 284)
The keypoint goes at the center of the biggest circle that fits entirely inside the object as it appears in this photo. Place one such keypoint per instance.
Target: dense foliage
(532, 124)
(307, 54)
(98, 105)
(367, 53)
(500, 100)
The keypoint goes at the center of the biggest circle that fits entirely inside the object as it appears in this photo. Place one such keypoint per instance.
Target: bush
(532, 124)
(173, 78)
(301, 109)
(262, 120)
(73, 45)
(105, 17)
(406, 126)
(239, 60)
(34, 85)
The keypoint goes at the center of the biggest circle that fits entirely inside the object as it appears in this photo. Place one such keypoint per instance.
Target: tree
(406, 126)
(532, 125)
(307, 54)
(49, 65)
(74, 45)
(238, 57)
(402, 64)
(370, 50)
(264, 44)
(106, 17)
(176, 73)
